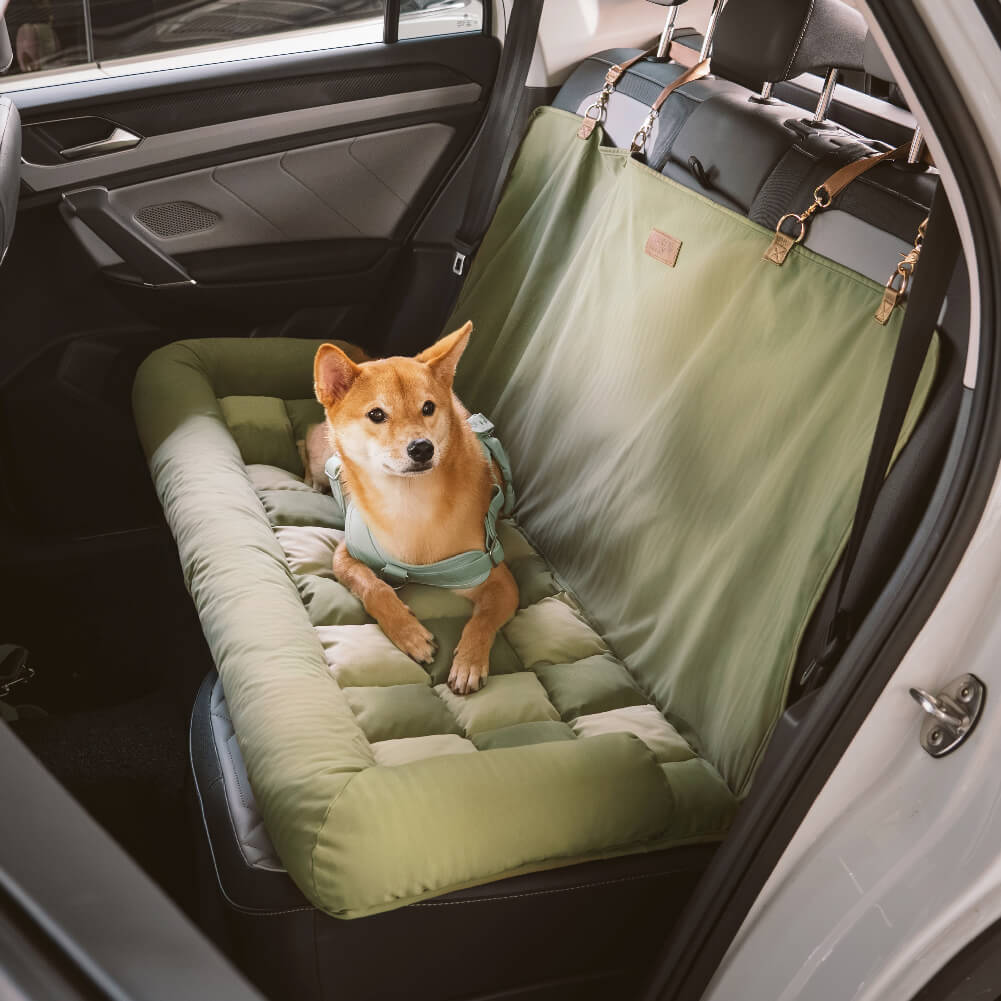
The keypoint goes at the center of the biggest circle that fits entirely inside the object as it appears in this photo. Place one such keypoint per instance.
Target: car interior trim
(158, 150)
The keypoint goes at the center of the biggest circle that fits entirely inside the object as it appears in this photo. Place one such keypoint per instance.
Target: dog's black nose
(420, 450)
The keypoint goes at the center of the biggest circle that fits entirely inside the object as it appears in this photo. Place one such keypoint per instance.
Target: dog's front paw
(468, 674)
(410, 636)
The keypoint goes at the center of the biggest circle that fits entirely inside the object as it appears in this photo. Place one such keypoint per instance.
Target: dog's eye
(428, 409)
(376, 416)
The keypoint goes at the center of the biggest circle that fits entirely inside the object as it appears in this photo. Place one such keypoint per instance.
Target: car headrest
(10, 170)
(874, 62)
(765, 41)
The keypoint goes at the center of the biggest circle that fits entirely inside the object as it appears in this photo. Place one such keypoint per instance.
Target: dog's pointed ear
(333, 374)
(443, 356)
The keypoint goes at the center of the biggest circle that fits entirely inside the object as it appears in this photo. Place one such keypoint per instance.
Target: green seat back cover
(688, 441)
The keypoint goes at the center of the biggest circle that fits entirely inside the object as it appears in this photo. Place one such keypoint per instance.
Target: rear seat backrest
(764, 158)
(688, 435)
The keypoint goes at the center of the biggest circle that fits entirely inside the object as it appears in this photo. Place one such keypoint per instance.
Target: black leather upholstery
(893, 200)
(721, 124)
(584, 931)
(10, 170)
(771, 40)
(758, 158)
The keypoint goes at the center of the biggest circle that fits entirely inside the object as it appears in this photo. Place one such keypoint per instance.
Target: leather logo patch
(663, 247)
(778, 249)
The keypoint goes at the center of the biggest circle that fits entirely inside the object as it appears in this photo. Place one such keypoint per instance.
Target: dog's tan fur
(417, 516)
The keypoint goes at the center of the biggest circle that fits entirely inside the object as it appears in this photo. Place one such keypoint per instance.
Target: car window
(46, 34)
(49, 34)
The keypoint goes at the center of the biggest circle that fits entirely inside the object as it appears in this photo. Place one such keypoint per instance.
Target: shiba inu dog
(415, 470)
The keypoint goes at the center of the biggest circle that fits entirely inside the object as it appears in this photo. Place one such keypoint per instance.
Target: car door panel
(363, 188)
(276, 195)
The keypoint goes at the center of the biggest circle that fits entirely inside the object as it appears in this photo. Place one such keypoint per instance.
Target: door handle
(118, 140)
(92, 207)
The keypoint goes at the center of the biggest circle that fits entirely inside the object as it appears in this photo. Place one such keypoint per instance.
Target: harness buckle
(459, 263)
(394, 576)
(496, 553)
(480, 424)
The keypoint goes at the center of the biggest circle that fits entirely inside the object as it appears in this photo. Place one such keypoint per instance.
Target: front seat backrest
(10, 149)
(10, 170)
(6, 51)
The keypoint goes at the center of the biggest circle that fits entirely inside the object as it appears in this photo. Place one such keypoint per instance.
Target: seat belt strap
(501, 135)
(937, 262)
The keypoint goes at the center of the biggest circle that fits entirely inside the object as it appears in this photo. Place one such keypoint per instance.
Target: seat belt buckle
(463, 254)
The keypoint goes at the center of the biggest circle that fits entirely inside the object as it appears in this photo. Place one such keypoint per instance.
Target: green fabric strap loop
(464, 570)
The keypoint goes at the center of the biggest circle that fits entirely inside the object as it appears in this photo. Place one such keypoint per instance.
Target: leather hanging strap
(693, 73)
(825, 193)
(619, 70)
(840, 179)
(595, 113)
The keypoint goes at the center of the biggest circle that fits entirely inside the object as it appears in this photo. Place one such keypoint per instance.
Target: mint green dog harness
(460, 571)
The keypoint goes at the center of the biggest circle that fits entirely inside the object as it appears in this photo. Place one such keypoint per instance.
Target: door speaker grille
(170, 219)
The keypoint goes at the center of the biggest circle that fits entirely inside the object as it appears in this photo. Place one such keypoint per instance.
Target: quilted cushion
(379, 787)
(552, 677)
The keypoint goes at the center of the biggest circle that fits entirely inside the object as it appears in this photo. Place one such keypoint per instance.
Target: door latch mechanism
(951, 715)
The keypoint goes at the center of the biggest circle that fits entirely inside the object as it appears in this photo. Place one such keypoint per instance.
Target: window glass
(128, 28)
(46, 34)
(421, 18)
(49, 34)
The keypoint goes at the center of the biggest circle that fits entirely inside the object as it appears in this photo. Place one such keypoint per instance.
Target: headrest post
(766, 90)
(826, 96)
(667, 35)
(917, 142)
(707, 41)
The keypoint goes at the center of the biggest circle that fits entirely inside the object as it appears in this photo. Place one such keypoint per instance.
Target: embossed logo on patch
(778, 249)
(663, 247)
